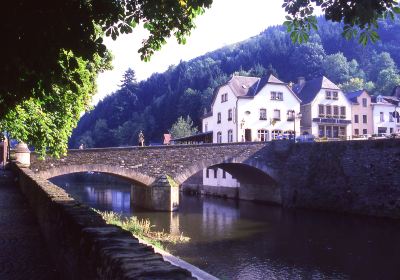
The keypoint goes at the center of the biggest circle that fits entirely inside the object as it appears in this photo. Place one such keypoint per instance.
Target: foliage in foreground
(142, 229)
(47, 123)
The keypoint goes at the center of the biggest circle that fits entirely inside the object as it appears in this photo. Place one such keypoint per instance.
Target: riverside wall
(82, 245)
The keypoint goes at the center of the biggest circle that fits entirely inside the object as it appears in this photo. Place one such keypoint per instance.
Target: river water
(245, 240)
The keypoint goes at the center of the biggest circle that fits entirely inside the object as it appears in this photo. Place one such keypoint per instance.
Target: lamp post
(292, 115)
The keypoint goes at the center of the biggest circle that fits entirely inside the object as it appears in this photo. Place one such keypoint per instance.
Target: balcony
(331, 121)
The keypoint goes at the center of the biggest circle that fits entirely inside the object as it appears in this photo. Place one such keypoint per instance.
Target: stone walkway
(23, 254)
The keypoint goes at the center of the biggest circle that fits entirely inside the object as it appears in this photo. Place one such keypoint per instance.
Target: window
(206, 127)
(365, 131)
(364, 118)
(336, 111)
(328, 95)
(276, 95)
(356, 131)
(321, 131)
(381, 117)
(364, 102)
(230, 136)
(263, 114)
(229, 114)
(355, 118)
(224, 97)
(219, 137)
(262, 135)
(277, 114)
(321, 110)
(343, 112)
(391, 117)
(207, 173)
(391, 130)
(219, 118)
(215, 172)
(335, 95)
(328, 111)
(342, 131)
(223, 174)
(328, 130)
(276, 134)
(290, 115)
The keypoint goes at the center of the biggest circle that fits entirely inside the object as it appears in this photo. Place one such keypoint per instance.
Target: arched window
(276, 134)
(263, 135)
(230, 136)
(219, 137)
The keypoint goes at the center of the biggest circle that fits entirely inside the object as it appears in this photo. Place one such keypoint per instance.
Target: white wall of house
(217, 179)
(223, 108)
(388, 125)
(249, 112)
(342, 100)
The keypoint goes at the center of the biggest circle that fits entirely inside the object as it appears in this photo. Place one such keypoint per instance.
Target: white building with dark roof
(385, 121)
(252, 109)
(326, 112)
(248, 109)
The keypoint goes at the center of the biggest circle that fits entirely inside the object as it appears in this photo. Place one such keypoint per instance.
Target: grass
(142, 229)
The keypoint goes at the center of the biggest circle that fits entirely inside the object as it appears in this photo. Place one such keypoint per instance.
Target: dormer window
(224, 97)
(328, 94)
(276, 95)
(335, 95)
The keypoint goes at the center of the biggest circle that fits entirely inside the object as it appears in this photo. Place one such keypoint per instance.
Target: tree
(386, 81)
(354, 84)
(31, 46)
(336, 67)
(182, 128)
(47, 123)
(360, 17)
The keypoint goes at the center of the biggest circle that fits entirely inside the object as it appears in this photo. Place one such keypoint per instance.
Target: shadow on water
(244, 240)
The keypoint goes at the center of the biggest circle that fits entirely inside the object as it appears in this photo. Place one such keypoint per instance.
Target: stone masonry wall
(360, 177)
(83, 246)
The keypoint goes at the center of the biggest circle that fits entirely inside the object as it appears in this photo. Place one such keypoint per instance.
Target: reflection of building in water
(218, 218)
(117, 200)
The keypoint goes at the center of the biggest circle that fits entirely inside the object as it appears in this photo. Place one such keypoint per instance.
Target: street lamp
(292, 115)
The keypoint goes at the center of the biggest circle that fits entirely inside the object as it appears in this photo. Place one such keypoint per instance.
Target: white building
(249, 109)
(326, 112)
(383, 118)
(252, 109)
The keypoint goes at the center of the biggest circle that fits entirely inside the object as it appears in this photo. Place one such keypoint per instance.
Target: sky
(226, 22)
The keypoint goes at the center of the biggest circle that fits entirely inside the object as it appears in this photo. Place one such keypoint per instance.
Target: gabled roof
(310, 89)
(352, 96)
(248, 87)
(392, 99)
(243, 86)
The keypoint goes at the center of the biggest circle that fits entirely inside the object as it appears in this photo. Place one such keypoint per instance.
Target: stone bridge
(330, 175)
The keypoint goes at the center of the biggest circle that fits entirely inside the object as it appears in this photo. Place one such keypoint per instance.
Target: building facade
(361, 111)
(253, 109)
(248, 109)
(385, 121)
(326, 112)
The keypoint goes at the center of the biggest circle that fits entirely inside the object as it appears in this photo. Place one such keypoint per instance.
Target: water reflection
(250, 241)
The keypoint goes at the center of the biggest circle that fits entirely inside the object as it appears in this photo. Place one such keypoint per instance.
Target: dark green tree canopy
(35, 33)
(360, 17)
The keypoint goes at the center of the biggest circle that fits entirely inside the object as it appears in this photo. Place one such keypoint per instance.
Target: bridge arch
(257, 181)
(128, 174)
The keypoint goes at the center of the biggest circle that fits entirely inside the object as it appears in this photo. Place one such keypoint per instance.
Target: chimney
(301, 81)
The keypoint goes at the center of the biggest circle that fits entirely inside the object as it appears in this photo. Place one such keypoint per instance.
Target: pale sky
(226, 22)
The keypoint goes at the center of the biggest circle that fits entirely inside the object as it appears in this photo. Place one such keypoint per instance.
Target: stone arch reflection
(96, 188)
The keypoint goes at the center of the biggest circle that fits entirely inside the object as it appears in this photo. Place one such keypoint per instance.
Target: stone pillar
(22, 154)
(162, 195)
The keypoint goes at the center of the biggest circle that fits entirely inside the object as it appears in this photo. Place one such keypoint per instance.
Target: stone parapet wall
(82, 245)
(360, 177)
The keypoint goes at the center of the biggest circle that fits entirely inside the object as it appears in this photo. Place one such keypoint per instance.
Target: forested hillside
(186, 89)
